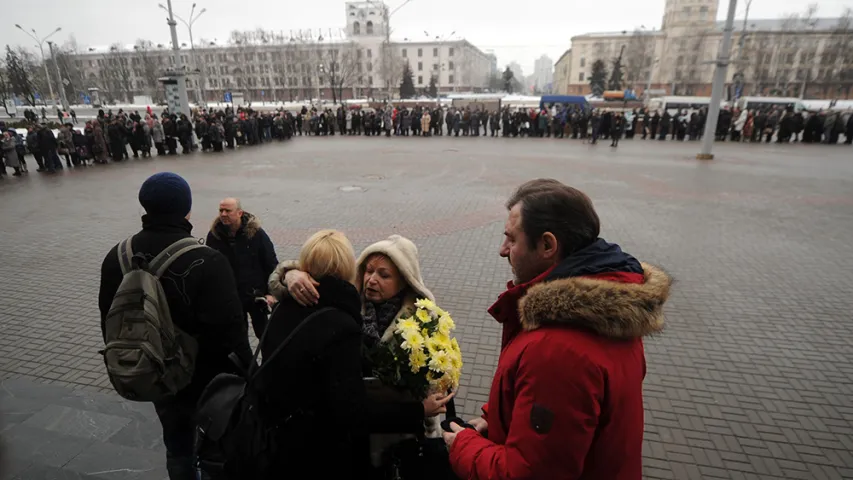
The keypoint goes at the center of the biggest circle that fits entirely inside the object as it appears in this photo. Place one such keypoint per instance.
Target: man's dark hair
(550, 206)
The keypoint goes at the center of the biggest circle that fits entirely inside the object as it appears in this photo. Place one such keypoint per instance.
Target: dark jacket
(202, 298)
(250, 253)
(317, 379)
(567, 396)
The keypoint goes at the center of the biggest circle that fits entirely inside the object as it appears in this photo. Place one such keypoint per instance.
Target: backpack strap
(125, 254)
(253, 371)
(162, 261)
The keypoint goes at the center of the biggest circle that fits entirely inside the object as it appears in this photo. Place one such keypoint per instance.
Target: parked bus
(768, 103)
(677, 104)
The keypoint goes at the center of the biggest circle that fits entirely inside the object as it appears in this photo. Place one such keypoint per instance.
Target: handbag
(420, 458)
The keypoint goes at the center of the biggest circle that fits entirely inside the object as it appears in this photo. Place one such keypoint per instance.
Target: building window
(450, 79)
(420, 66)
(356, 28)
(420, 52)
(450, 66)
(405, 53)
(450, 52)
(370, 80)
(420, 80)
(434, 52)
(369, 53)
(583, 62)
(580, 77)
(369, 66)
(370, 28)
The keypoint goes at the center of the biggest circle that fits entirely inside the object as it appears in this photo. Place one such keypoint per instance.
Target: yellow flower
(442, 341)
(455, 346)
(445, 324)
(456, 360)
(426, 304)
(406, 324)
(417, 360)
(423, 316)
(440, 362)
(434, 344)
(412, 340)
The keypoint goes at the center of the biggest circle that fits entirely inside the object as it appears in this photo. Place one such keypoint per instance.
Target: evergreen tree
(598, 78)
(19, 79)
(407, 86)
(508, 76)
(615, 82)
(433, 87)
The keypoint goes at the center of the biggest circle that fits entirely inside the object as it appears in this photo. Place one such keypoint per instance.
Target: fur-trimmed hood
(608, 308)
(251, 225)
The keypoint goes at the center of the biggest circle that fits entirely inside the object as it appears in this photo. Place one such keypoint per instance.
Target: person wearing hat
(203, 301)
(389, 281)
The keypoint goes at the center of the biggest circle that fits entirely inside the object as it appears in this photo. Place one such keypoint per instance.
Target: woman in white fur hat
(389, 280)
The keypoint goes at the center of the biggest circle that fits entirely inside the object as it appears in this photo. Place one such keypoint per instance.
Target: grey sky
(516, 33)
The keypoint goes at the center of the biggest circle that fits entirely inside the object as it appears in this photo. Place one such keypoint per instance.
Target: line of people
(575, 299)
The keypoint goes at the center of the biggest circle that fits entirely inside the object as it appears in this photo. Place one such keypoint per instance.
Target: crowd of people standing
(109, 135)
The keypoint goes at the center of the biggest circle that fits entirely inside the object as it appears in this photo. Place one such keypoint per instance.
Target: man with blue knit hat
(202, 298)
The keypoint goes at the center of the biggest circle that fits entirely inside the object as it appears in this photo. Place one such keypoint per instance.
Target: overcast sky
(518, 34)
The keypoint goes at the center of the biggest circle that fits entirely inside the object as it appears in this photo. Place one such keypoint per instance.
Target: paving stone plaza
(752, 379)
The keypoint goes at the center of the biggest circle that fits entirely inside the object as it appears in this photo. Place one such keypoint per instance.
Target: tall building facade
(358, 61)
(794, 56)
(543, 74)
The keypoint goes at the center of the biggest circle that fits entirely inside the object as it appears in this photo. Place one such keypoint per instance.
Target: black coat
(202, 298)
(250, 253)
(317, 379)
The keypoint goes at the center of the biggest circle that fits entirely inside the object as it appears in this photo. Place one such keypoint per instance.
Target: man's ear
(548, 245)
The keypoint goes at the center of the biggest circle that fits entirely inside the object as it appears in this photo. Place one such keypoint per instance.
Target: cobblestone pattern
(753, 377)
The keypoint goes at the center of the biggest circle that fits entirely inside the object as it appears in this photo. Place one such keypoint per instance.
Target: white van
(769, 103)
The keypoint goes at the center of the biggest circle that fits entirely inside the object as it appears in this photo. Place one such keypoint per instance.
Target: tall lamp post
(441, 41)
(723, 59)
(180, 71)
(386, 16)
(58, 77)
(40, 44)
(199, 93)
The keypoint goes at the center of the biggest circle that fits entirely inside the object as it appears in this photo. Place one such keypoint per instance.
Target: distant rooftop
(779, 24)
(759, 24)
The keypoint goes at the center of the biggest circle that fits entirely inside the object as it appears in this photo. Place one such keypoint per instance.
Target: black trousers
(258, 315)
(176, 418)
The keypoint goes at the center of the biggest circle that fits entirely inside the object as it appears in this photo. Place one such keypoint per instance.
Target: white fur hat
(404, 254)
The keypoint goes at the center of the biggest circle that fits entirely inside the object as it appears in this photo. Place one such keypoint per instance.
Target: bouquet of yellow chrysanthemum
(421, 357)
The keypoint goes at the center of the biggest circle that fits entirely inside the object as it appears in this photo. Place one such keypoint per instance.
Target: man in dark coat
(238, 235)
(48, 145)
(203, 302)
(575, 300)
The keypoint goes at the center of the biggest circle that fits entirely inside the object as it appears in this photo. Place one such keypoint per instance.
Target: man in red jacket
(567, 400)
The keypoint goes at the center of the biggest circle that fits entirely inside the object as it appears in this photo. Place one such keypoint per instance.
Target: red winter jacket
(566, 400)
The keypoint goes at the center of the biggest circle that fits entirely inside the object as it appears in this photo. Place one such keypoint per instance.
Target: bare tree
(146, 63)
(390, 66)
(243, 55)
(836, 58)
(340, 65)
(638, 57)
(115, 74)
(73, 79)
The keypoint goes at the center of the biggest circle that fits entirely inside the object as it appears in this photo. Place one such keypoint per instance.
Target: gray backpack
(147, 357)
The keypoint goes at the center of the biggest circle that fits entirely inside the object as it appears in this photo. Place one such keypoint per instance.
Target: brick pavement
(753, 377)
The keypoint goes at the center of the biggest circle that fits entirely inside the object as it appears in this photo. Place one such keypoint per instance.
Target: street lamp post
(58, 78)
(40, 44)
(386, 54)
(723, 58)
(441, 41)
(199, 93)
(180, 71)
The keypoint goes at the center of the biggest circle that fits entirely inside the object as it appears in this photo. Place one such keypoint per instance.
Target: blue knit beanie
(166, 193)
